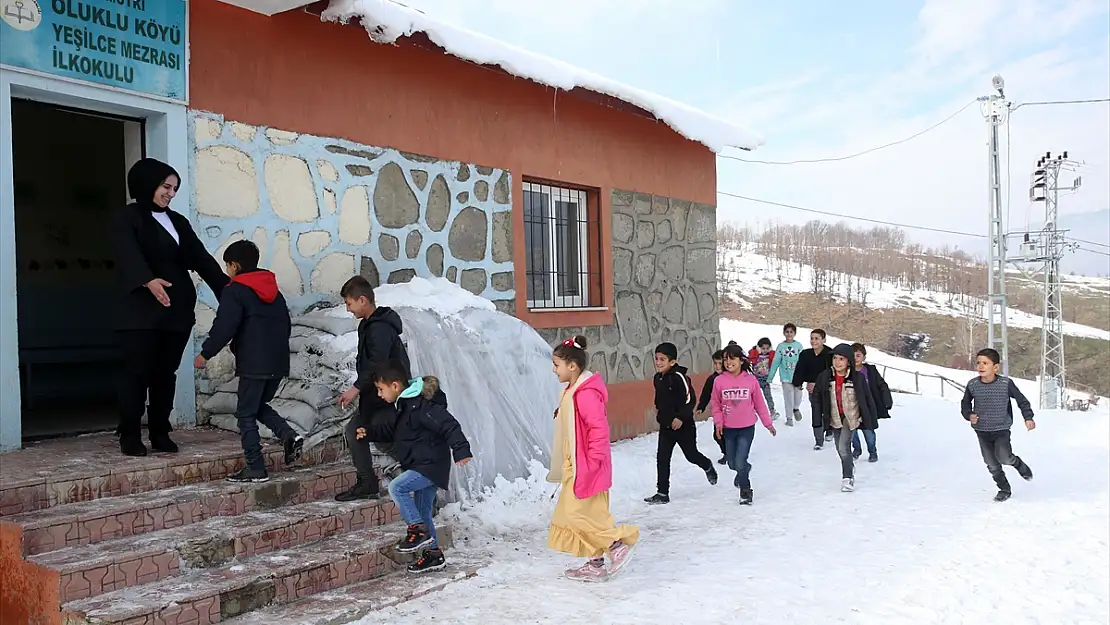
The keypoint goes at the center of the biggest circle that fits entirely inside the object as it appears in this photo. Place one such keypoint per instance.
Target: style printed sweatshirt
(738, 400)
(786, 358)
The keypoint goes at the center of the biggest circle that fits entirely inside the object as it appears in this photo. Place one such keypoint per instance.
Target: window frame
(556, 301)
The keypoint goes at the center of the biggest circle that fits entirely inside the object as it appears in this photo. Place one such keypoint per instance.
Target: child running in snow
(842, 404)
(761, 356)
(582, 462)
(737, 400)
(784, 362)
(986, 405)
(707, 394)
(425, 437)
(880, 392)
(674, 405)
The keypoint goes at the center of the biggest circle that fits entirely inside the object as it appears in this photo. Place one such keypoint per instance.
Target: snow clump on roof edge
(386, 21)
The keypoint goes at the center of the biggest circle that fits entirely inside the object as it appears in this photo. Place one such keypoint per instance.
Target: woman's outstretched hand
(157, 287)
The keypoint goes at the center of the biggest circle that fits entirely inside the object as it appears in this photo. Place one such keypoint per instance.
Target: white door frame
(166, 140)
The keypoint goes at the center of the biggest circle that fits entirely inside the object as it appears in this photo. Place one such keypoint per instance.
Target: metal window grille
(559, 236)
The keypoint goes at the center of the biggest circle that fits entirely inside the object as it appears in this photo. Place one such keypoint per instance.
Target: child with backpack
(761, 356)
(674, 405)
(582, 462)
(707, 394)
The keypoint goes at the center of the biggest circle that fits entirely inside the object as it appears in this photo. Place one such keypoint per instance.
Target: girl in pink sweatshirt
(737, 401)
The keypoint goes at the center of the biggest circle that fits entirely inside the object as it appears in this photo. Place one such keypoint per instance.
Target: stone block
(356, 153)
(243, 132)
(467, 238)
(701, 265)
(389, 246)
(502, 189)
(633, 319)
(645, 234)
(331, 272)
(672, 262)
(473, 280)
(401, 276)
(622, 266)
(464, 173)
(663, 231)
(312, 243)
(645, 269)
(419, 178)
(395, 204)
(701, 224)
(502, 237)
(463, 197)
(226, 182)
(483, 170)
(281, 137)
(354, 216)
(290, 188)
(624, 227)
(434, 257)
(502, 281)
(413, 242)
(481, 190)
(439, 205)
(641, 203)
(331, 203)
(284, 267)
(327, 170)
(206, 129)
(359, 170)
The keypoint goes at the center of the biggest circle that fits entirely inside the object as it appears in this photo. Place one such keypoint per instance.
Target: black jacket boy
(880, 391)
(706, 392)
(379, 343)
(674, 397)
(811, 364)
(254, 318)
(823, 403)
(426, 436)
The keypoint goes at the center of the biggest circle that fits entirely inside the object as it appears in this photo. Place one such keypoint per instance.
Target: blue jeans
(869, 436)
(738, 444)
(415, 496)
(252, 408)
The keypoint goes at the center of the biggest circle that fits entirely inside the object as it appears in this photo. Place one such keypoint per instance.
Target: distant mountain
(1089, 260)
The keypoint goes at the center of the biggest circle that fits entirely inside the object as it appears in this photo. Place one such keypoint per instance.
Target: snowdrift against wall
(494, 368)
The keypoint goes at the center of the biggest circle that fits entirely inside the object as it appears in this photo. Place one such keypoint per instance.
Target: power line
(1059, 102)
(1089, 242)
(857, 154)
(1089, 250)
(852, 217)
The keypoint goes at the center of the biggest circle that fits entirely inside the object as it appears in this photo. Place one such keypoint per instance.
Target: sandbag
(315, 395)
(329, 323)
(222, 403)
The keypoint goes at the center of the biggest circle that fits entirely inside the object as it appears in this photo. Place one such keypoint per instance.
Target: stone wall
(323, 209)
(665, 287)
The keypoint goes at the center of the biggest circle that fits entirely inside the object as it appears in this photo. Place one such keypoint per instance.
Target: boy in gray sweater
(986, 405)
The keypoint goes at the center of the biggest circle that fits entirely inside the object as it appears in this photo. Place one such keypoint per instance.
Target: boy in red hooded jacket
(254, 318)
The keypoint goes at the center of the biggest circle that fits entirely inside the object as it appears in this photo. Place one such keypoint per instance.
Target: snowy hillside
(920, 542)
(746, 276)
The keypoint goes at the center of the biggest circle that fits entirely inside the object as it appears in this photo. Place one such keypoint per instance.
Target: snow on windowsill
(567, 310)
(386, 21)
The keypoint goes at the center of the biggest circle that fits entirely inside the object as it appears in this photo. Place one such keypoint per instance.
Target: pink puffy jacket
(593, 458)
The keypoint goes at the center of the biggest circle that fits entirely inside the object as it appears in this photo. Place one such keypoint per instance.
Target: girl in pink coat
(737, 401)
(582, 463)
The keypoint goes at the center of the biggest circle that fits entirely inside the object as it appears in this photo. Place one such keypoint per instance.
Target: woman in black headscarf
(156, 249)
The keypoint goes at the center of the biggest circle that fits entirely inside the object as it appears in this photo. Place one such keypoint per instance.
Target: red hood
(262, 282)
(594, 383)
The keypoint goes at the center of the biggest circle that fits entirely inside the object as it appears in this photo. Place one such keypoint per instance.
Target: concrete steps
(90, 542)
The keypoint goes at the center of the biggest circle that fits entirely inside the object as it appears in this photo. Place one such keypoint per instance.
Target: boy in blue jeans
(425, 437)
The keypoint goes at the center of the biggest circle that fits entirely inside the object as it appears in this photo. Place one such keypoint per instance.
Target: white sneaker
(847, 485)
(789, 422)
(775, 416)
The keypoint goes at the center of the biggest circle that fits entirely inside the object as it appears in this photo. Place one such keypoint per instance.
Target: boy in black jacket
(379, 344)
(425, 437)
(986, 404)
(674, 405)
(254, 318)
(707, 395)
(811, 363)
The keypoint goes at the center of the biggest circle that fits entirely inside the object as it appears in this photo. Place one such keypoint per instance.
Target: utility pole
(1049, 248)
(996, 109)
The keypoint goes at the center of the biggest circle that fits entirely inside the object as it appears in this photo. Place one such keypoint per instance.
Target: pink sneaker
(588, 572)
(619, 556)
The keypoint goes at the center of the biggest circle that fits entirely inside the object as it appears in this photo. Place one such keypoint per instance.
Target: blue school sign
(137, 45)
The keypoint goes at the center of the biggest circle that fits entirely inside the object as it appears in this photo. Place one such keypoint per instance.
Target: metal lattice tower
(1049, 248)
(996, 109)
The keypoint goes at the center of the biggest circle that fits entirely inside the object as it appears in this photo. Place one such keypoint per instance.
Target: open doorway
(70, 176)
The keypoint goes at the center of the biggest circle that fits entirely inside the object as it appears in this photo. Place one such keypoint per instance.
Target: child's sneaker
(415, 539)
(746, 496)
(828, 435)
(293, 448)
(430, 560)
(711, 475)
(591, 571)
(1002, 495)
(789, 422)
(619, 556)
(775, 416)
(873, 457)
(818, 447)
(856, 454)
(847, 485)
(1024, 471)
(797, 415)
(254, 476)
(658, 498)
(723, 460)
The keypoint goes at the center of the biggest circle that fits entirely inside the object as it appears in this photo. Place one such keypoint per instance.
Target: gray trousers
(844, 448)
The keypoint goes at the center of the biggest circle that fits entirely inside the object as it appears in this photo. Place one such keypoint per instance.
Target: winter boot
(254, 476)
(789, 422)
(1001, 482)
(163, 443)
(1023, 469)
(293, 448)
(797, 415)
(364, 488)
(873, 457)
(658, 498)
(1002, 495)
(746, 495)
(711, 475)
(416, 538)
(856, 454)
(847, 484)
(818, 447)
(132, 446)
(430, 560)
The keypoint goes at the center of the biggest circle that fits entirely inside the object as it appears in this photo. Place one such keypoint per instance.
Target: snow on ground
(919, 542)
(386, 21)
(748, 275)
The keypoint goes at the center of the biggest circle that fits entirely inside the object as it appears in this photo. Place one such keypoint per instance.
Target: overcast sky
(824, 79)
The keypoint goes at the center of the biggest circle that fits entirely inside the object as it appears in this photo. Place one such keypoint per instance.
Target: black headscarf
(143, 180)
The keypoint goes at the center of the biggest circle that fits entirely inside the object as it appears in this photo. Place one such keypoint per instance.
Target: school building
(342, 137)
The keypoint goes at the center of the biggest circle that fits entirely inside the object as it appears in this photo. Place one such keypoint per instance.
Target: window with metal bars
(560, 239)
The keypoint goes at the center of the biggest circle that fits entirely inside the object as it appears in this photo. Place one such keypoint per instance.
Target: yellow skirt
(584, 528)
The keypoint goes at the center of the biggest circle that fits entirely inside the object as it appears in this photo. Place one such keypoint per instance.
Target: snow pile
(815, 554)
(386, 21)
(494, 369)
(747, 276)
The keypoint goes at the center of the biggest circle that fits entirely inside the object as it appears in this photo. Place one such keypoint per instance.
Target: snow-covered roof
(387, 21)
